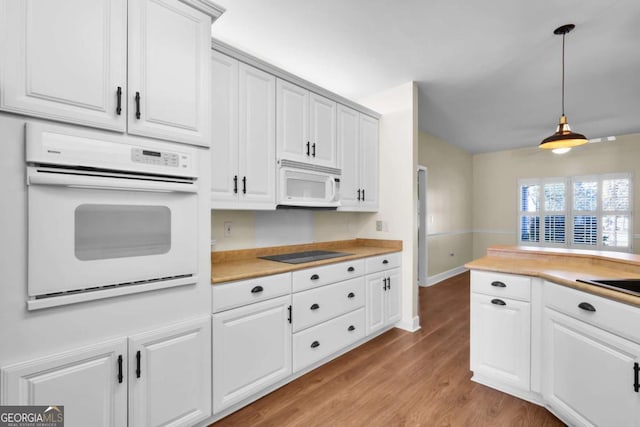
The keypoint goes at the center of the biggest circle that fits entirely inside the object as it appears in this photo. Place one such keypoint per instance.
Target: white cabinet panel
(348, 134)
(322, 130)
(589, 373)
(392, 304)
(375, 308)
(257, 157)
(369, 163)
(251, 350)
(170, 375)
(65, 60)
(250, 291)
(86, 381)
(224, 127)
(169, 71)
(292, 126)
(501, 339)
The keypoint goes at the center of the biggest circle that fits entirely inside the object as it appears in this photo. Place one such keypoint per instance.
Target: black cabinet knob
(351, 295)
(257, 289)
(498, 302)
(315, 344)
(315, 277)
(351, 269)
(498, 284)
(351, 328)
(385, 261)
(315, 307)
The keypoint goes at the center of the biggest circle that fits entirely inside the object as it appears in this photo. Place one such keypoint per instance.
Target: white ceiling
(488, 71)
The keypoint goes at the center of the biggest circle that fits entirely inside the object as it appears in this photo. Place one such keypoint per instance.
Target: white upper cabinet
(243, 156)
(65, 60)
(140, 66)
(306, 126)
(358, 141)
(169, 48)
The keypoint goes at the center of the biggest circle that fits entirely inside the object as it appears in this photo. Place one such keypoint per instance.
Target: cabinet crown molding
(206, 7)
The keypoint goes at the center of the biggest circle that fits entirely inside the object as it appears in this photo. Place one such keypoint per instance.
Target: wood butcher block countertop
(228, 266)
(564, 266)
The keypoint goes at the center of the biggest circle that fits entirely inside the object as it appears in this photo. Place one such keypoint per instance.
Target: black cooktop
(628, 286)
(307, 256)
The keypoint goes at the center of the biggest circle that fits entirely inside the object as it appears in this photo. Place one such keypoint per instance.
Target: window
(579, 212)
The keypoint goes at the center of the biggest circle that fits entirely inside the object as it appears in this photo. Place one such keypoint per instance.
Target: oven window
(119, 231)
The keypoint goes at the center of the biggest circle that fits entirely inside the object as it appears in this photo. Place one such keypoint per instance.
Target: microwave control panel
(157, 158)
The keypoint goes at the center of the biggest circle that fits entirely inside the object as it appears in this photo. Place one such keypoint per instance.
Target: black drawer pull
(315, 277)
(120, 369)
(351, 295)
(315, 307)
(137, 99)
(119, 100)
(363, 195)
(498, 302)
(586, 306)
(138, 357)
(235, 184)
(636, 377)
(351, 328)
(498, 284)
(358, 194)
(315, 344)
(257, 289)
(308, 150)
(313, 146)
(350, 269)
(385, 261)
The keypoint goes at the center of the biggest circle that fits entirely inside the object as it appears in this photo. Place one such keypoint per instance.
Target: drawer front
(243, 292)
(613, 316)
(323, 275)
(316, 343)
(501, 285)
(383, 262)
(318, 305)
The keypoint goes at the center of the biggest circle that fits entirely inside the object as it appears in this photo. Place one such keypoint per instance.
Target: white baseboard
(437, 278)
(412, 325)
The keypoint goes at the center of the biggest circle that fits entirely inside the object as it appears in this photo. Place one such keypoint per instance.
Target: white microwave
(306, 185)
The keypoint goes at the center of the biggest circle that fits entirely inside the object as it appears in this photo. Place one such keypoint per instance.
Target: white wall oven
(107, 218)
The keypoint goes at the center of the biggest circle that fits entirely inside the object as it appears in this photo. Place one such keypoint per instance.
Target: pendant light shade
(563, 137)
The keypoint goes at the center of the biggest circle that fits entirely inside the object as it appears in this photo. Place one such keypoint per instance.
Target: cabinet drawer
(325, 274)
(316, 343)
(383, 262)
(501, 285)
(613, 316)
(320, 304)
(243, 292)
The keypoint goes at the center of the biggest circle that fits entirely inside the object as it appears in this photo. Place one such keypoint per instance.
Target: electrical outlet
(228, 228)
(378, 225)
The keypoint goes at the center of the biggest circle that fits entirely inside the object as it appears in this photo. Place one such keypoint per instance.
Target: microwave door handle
(108, 183)
(333, 189)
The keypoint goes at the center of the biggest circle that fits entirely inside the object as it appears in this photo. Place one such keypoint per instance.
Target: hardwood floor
(400, 379)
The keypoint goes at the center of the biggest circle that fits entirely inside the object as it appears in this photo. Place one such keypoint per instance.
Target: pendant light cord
(563, 35)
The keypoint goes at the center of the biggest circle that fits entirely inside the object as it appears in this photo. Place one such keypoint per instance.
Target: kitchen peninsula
(539, 334)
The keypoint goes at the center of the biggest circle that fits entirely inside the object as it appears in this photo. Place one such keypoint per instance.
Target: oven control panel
(157, 158)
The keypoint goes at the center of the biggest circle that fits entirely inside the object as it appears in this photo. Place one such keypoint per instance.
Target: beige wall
(449, 202)
(495, 182)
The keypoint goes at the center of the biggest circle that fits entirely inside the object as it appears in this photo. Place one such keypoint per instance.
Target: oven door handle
(35, 177)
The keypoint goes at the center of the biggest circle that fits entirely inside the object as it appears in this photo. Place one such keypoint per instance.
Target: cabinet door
(224, 129)
(588, 373)
(86, 381)
(251, 350)
(392, 297)
(292, 122)
(500, 339)
(65, 60)
(170, 375)
(349, 143)
(322, 130)
(375, 305)
(369, 163)
(257, 157)
(169, 68)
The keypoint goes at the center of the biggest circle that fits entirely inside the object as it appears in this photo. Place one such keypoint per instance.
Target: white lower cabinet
(501, 339)
(169, 371)
(318, 342)
(383, 299)
(251, 350)
(170, 385)
(90, 383)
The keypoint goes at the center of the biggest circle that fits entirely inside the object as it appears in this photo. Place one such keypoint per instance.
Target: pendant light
(563, 139)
